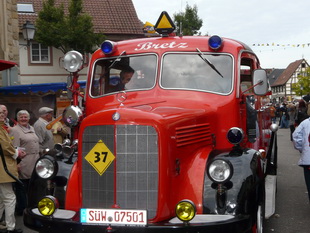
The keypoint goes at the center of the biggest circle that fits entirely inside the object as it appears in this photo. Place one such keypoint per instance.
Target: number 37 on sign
(100, 157)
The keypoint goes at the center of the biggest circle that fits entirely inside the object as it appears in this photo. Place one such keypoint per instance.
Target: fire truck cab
(174, 135)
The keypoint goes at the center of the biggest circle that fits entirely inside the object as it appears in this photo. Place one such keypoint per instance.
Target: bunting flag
(282, 45)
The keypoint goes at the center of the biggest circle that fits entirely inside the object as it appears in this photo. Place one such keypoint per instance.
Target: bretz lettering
(150, 45)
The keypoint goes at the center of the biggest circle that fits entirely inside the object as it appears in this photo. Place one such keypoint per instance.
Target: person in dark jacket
(284, 116)
(301, 112)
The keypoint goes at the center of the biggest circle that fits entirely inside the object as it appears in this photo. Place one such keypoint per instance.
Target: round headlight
(47, 205)
(220, 170)
(72, 116)
(185, 210)
(235, 135)
(73, 61)
(46, 167)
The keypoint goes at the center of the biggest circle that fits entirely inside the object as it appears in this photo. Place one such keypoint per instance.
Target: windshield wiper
(203, 57)
(117, 59)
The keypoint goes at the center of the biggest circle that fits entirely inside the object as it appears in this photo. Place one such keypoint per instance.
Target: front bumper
(69, 222)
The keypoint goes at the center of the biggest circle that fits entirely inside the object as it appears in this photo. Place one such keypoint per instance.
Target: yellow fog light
(185, 210)
(47, 205)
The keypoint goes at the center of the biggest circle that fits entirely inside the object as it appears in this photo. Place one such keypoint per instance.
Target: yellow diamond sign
(100, 157)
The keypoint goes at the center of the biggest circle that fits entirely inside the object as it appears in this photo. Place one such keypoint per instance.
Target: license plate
(114, 217)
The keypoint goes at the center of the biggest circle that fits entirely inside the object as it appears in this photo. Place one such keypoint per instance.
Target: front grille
(131, 180)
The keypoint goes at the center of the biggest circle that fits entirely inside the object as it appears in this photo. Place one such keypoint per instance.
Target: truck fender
(242, 191)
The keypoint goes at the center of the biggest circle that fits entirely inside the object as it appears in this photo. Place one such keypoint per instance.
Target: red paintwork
(168, 109)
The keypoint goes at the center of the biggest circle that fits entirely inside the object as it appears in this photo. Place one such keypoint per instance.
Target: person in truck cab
(119, 83)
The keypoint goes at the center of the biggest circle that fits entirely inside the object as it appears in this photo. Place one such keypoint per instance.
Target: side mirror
(260, 82)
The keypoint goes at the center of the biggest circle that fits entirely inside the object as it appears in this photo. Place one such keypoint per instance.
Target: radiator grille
(131, 181)
(193, 134)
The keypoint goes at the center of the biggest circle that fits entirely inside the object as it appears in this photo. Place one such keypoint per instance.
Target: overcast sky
(283, 25)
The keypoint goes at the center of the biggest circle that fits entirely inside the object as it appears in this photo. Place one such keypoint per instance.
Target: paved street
(292, 208)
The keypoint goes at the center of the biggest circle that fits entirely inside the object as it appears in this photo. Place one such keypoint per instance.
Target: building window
(25, 8)
(40, 53)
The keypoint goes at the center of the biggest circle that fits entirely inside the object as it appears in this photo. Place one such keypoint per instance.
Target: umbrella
(6, 65)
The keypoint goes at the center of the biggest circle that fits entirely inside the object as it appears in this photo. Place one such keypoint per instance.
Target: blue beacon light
(215, 42)
(107, 47)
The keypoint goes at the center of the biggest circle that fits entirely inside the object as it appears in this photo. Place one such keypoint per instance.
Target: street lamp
(28, 31)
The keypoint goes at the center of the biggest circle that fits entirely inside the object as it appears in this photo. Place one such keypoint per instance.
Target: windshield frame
(198, 54)
(92, 79)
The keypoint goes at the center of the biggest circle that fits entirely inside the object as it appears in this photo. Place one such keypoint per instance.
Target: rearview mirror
(260, 82)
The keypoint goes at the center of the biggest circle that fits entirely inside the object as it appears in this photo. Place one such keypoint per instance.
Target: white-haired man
(46, 139)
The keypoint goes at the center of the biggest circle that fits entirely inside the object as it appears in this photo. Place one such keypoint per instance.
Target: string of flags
(281, 45)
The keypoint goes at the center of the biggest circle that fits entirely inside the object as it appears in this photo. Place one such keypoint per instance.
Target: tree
(72, 31)
(188, 22)
(302, 87)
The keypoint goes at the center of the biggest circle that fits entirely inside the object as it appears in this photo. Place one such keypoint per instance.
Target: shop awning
(37, 88)
(6, 64)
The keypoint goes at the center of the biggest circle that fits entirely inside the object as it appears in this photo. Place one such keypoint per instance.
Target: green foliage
(188, 21)
(302, 87)
(73, 31)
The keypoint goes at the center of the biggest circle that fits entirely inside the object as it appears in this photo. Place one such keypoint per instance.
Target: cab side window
(98, 83)
(246, 71)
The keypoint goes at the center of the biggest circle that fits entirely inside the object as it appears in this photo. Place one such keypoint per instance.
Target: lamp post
(28, 31)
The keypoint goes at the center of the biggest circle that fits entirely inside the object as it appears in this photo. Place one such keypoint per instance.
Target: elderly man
(8, 174)
(46, 139)
(8, 123)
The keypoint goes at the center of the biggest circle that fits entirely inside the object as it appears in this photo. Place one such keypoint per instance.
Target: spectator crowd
(22, 144)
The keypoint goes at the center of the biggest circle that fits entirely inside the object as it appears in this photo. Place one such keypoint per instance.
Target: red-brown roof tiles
(109, 16)
(287, 73)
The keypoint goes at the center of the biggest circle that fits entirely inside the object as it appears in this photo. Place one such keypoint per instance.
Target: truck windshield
(191, 71)
(123, 74)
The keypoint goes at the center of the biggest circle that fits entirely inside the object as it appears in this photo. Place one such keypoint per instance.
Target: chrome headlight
(72, 116)
(46, 167)
(220, 171)
(73, 61)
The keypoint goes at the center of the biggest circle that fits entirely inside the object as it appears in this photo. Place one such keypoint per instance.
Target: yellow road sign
(164, 24)
(100, 157)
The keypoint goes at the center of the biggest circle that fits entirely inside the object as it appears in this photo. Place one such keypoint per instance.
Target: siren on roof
(215, 42)
(108, 47)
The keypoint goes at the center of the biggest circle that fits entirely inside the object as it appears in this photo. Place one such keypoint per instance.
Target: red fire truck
(173, 134)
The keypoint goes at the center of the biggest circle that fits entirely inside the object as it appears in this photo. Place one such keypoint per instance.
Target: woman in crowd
(292, 117)
(24, 136)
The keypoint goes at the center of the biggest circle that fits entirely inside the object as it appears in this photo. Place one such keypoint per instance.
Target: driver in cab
(119, 83)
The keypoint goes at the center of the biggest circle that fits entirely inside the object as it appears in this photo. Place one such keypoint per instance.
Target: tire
(260, 218)
(259, 223)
